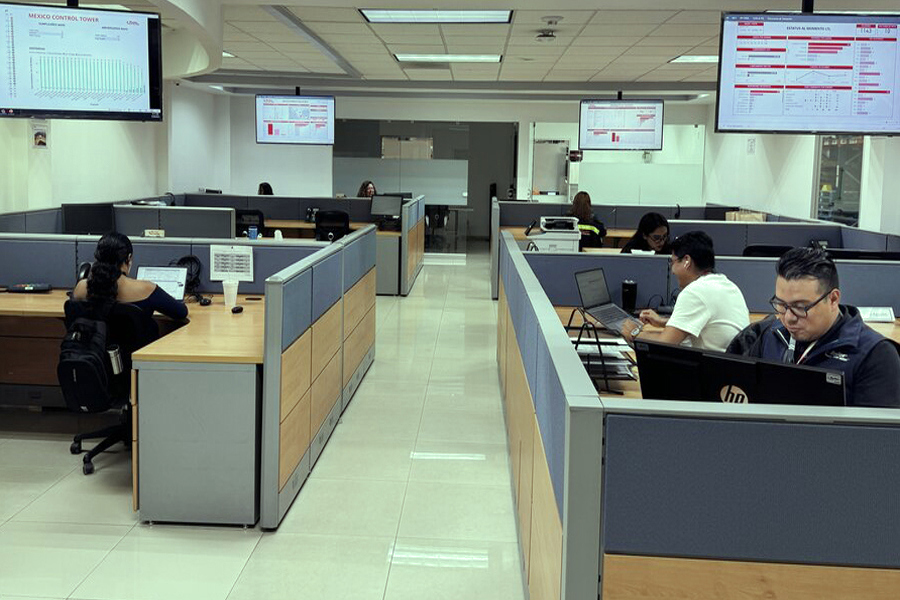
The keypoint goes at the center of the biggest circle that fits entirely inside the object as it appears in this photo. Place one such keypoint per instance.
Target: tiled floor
(410, 500)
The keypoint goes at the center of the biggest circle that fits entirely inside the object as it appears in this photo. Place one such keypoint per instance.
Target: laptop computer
(596, 301)
(169, 279)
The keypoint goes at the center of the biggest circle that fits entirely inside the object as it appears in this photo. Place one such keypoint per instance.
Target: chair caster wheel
(87, 468)
(75, 448)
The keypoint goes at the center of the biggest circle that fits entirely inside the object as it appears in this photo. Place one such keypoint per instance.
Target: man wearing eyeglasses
(812, 328)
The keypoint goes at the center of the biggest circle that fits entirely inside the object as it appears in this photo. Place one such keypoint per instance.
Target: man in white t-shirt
(710, 309)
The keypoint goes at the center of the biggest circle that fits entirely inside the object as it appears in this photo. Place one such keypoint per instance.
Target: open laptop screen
(170, 279)
(592, 288)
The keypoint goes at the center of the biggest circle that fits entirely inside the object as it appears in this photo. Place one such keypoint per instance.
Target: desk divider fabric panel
(523, 213)
(729, 237)
(359, 255)
(216, 200)
(793, 234)
(297, 307)
(197, 222)
(13, 223)
(550, 411)
(133, 220)
(869, 283)
(327, 287)
(44, 221)
(56, 259)
(151, 255)
(708, 488)
(893, 243)
(277, 208)
(556, 273)
(859, 239)
(266, 261)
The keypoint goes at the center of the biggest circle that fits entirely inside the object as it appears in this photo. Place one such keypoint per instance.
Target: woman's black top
(592, 233)
(160, 301)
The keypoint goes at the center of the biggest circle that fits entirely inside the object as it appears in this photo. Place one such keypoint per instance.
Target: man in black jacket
(812, 328)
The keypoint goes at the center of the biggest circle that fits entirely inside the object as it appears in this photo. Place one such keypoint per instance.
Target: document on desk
(615, 349)
(877, 314)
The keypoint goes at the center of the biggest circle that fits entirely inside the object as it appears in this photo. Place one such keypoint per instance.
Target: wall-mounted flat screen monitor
(96, 219)
(294, 119)
(79, 63)
(809, 73)
(620, 125)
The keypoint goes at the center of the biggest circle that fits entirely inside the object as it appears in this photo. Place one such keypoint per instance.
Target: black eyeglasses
(659, 238)
(799, 311)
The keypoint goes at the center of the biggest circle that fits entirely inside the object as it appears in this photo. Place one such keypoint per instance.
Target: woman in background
(652, 235)
(366, 190)
(265, 189)
(108, 280)
(592, 230)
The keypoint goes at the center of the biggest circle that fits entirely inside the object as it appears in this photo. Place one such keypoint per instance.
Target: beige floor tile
(460, 462)
(453, 511)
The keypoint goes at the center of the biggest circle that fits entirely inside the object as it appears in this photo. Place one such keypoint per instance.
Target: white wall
(772, 173)
(292, 170)
(199, 140)
(85, 161)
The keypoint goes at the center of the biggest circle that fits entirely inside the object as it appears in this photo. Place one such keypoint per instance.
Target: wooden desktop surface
(213, 334)
(300, 224)
(632, 389)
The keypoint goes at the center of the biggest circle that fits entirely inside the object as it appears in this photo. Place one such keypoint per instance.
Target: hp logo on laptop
(733, 394)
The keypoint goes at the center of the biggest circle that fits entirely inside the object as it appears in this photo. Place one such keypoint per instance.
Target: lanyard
(791, 346)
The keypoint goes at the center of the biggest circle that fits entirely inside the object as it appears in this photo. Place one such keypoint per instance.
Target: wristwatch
(637, 330)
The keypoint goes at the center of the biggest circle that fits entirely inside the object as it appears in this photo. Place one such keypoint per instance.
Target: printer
(558, 234)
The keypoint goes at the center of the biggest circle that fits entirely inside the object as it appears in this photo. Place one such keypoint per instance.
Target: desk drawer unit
(198, 453)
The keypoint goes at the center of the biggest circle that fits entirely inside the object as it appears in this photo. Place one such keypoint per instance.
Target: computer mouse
(237, 309)
(204, 301)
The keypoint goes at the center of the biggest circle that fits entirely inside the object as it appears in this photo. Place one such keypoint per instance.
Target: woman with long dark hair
(592, 230)
(108, 281)
(652, 235)
(366, 189)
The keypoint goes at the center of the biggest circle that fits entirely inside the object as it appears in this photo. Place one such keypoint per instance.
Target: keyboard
(610, 316)
(29, 288)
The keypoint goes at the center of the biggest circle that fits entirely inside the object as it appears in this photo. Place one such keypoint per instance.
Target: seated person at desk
(652, 235)
(592, 230)
(109, 280)
(709, 311)
(812, 328)
(366, 189)
(265, 189)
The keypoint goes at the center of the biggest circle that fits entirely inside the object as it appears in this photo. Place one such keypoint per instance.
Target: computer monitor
(851, 254)
(404, 195)
(88, 219)
(670, 372)
(386, 206)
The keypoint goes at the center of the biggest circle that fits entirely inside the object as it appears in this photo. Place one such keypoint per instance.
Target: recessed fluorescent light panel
(696, 58)
(227, 54)
(448, 58)
(436, 16)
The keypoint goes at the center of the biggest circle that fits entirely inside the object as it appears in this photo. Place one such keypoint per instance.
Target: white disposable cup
(230, 289)
(279, 235)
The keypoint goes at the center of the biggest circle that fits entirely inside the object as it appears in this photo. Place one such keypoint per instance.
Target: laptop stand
(589, 329)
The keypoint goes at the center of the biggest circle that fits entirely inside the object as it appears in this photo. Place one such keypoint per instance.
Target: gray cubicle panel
(893, 243)
(134, 220)
(44, 221)
(268, 257)
(274, 207)
(793, 234)
(556, 273)
(859, 239)
(706, 488)
(523, 213)
(359, 255)
(197, 222)
(327, 287)
(729, 237)
(216, 200)
(869, 283)
(148, 252)
(13, 223)
(54, 253)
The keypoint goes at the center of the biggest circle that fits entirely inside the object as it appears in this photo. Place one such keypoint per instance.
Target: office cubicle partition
(412, 247)
(319, 342)
(680, 499)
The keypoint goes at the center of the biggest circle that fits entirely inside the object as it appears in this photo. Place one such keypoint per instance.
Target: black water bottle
(629, 295)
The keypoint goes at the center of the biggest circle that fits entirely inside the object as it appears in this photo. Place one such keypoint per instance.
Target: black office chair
(332, 225)
(244, 218)
(765, 250)
(129, 328)
(436, 217)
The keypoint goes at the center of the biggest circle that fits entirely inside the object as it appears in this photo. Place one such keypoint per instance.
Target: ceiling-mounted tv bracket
(72, 3)
(619, 95)
(297, 91)
(807, 6)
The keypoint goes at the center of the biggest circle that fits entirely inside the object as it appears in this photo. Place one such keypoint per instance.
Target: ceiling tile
(613, 41)
(534, 17)
(702, 77)
(257, 54)
(475, 29)
(278, 36)
(531, 38)
(535, 50)
(416, 49)
(687, 29)
(429, 74)
(409, 39)
(607, 17)
(341, 28)
(387, 76)
(624, 76)
(697, 16)
(295, 47)
(586, 53)
(664, 51)
(663, 40)
(639, 30)
(234, 63)
(233, 34)
(516, 76)
(310, 14)
(383, 29)
(664, 76)
(558, 75)
(477, 49)
(254, 27)
(235, 47)
(245, 13)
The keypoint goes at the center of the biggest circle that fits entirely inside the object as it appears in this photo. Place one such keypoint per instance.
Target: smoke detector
(551, 20)
(545, 36)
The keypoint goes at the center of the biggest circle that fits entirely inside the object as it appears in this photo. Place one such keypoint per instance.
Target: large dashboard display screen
(809, 73)
(620, 125)
(79, 63)
(294, 120)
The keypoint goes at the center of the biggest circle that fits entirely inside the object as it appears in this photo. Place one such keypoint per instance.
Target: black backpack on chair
(84, 367)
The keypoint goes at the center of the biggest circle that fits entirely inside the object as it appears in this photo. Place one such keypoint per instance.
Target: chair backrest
(332, 225)
(127, 327)
(245, 217)
(765, 250)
